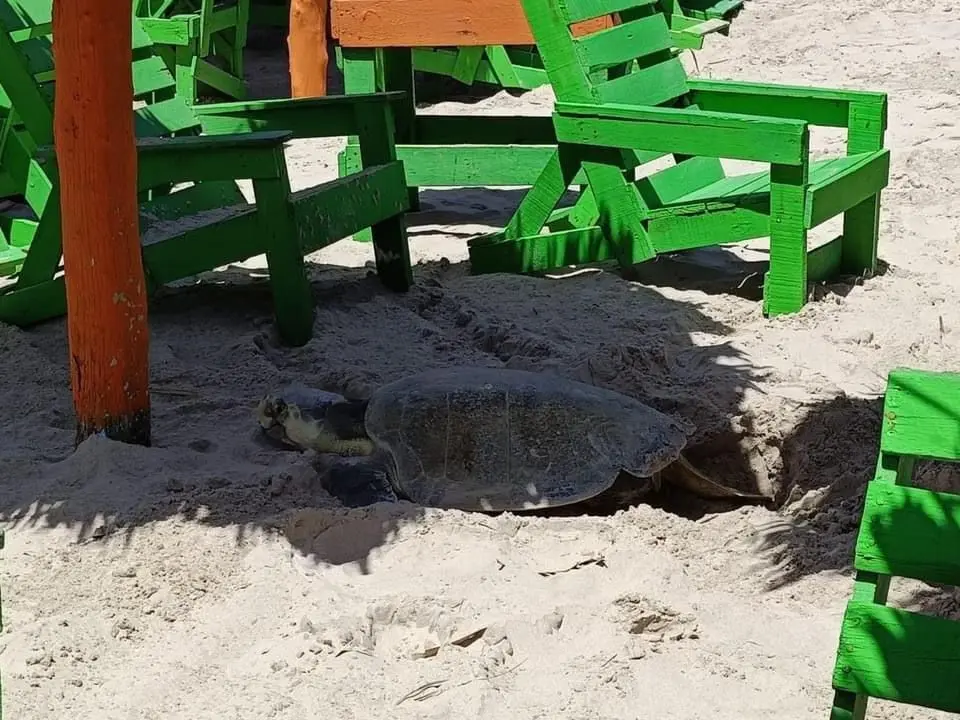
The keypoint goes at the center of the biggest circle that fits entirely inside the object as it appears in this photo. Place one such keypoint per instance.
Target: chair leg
(848, 706)
(785, 286)
(292, 297)
(861, 225)
(620, 210)
(390, 246)
(186, 72)
(360, 76)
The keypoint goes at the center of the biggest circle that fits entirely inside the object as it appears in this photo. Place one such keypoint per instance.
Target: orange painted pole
(106, 294)
(307, 45)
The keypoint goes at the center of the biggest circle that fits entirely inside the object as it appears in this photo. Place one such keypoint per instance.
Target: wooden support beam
(436, 23)
(106, 293)
(307, 44)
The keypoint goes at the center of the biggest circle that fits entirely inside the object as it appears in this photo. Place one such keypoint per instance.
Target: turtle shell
(478, 438)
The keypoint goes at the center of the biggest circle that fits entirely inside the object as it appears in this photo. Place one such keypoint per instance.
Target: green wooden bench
(202, 42)
(239, 141)
(609, 127)
(909, 532)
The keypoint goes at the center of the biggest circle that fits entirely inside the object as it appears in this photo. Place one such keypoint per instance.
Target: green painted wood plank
(180, 31)
(824, 262)
(683, 132)
(654, 85)
(818, 106)
(460, 166)
(851, 180)
(151, 75)
(330, 116)
(574, 11)
(910, 532)
(208, 157)
(624, 42)
(541, 253)
(900, 656)
(921, 414)
(786, 282)
(715, 225)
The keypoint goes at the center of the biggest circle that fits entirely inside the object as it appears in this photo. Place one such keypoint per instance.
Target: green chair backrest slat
(922, 415)
(575, 11)
(640, 42)
(151, 79)
(618, 44)
(909, 532)
(899, 655)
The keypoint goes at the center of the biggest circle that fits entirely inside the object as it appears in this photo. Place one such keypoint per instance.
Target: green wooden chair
(607, 129)
(202, 42)
(909, 532)
(517, 67)
(459, 150)
(240, 141)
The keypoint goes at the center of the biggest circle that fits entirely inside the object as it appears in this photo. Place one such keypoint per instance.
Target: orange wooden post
(106, 294)
(307, 45)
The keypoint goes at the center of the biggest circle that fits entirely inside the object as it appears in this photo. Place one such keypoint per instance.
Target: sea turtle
(485, 439)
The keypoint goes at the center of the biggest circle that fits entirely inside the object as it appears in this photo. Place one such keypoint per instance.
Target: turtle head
(274, 414)
(327, 423)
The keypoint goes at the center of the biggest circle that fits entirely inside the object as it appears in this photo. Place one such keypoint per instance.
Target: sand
(210, 577)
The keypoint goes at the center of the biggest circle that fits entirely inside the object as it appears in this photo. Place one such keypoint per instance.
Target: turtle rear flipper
(684, 475)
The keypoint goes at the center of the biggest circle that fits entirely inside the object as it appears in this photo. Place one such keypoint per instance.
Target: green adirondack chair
(458, 150)
(519, 67)
(607, 129)
(202, 42)
(241, 141)
(884, 652)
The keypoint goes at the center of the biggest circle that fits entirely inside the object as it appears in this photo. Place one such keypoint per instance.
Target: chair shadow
(214, 353)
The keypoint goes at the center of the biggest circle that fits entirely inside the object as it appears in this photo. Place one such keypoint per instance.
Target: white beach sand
(210, 578)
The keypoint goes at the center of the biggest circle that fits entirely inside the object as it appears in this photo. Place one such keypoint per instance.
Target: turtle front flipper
(314, 420)
(358, 482)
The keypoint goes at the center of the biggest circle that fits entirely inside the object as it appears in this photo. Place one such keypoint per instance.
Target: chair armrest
(824, 107)
(179, 30)
(247, 156)
(331, 116)
(684, 132)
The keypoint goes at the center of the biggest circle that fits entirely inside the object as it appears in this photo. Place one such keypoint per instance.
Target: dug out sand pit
(210, 578)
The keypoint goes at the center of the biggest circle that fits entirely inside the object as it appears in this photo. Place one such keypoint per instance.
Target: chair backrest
(631, 62)
(910, 532)
(28, 75)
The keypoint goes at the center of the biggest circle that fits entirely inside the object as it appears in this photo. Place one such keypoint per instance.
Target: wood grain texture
(427, 23)
(307, 44)
(106, 292)
(899, 655)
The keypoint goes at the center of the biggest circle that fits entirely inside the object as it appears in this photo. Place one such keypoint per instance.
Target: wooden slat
(854, 179)
(151, 75)
(910, 532)
(625, 42)
(427, 23)
(654, 85)
(898, 655)
(922, 414)
(682, 132)
(580, 10)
